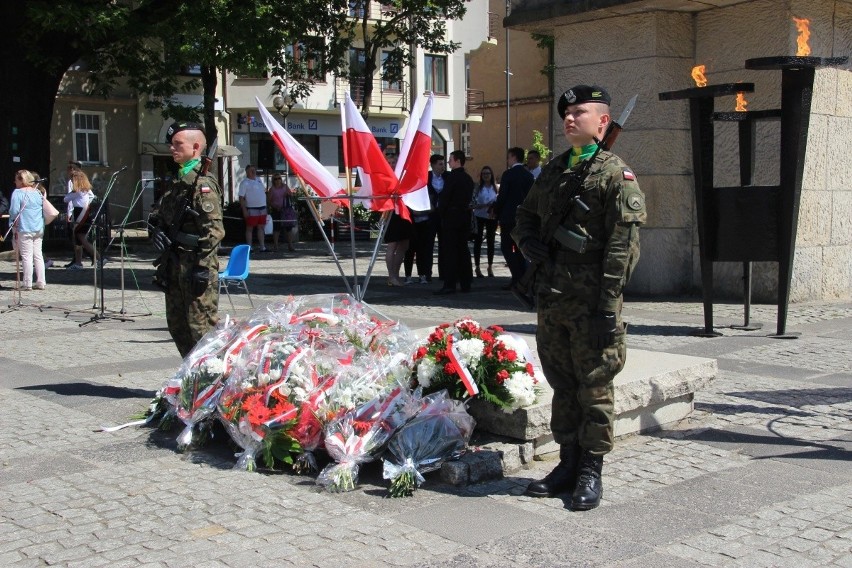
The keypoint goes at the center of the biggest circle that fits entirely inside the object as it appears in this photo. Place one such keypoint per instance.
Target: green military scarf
(188, 166)
(580, 154)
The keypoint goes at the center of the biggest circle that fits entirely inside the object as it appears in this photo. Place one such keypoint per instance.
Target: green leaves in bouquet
(279, 446)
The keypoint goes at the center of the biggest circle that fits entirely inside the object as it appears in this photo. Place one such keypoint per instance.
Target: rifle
(563, 202)
(172, 234)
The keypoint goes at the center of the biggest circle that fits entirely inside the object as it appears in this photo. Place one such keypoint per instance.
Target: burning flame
(802, 26)
(698, 76)
(741, 103)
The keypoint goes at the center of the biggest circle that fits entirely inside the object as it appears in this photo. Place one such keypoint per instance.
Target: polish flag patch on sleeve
(628, 175)
(205, 189)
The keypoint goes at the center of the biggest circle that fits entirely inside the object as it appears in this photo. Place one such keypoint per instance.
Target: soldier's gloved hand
(602, 328)
(159, 239)
(535, 250)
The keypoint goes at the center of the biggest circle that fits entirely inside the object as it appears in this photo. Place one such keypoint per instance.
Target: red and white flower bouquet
(469, 360)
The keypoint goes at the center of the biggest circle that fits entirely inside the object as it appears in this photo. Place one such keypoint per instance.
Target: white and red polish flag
(302, 162)
(361, 150)
(412, 169)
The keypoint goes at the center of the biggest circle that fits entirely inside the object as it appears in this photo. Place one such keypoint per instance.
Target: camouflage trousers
(189, 316)
(581, 377)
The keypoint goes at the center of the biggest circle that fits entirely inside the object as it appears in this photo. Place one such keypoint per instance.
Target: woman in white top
(484, 197)
(80, 199)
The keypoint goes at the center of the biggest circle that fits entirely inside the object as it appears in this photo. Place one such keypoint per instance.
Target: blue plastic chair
(236, 272)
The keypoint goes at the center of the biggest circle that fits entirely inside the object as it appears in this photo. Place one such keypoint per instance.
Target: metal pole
(508, 82)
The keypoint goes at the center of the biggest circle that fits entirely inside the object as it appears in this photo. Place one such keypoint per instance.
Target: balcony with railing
(386, 95)
(475, 102)
(372, 9)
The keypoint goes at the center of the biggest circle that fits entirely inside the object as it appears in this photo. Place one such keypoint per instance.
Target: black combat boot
(563, 476)
(589, 490)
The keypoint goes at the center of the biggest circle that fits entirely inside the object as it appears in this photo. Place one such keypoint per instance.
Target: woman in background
(25, 210)
(484, 197)
(80, 198)
(281, 204)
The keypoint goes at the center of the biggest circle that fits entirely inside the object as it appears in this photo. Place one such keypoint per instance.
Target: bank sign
(320, 125)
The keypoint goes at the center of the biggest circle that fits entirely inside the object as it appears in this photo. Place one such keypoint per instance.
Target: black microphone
(39, 180)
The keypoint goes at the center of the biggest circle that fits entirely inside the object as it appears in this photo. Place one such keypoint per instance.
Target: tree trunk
(209, 81)
(369, 70)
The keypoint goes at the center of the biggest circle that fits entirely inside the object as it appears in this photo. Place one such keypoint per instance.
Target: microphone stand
(122, 227)
(98, 223)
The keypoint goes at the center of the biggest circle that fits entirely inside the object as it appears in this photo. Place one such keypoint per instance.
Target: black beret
(582, 94)
(179, 127)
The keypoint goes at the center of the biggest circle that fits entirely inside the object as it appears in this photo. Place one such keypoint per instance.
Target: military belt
(571, 257)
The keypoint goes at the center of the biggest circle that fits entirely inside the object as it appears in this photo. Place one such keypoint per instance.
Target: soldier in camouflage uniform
(580, 335)
(188, 237)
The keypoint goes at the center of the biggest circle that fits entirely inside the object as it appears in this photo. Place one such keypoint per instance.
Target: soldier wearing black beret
(187, 228)
(579, 284)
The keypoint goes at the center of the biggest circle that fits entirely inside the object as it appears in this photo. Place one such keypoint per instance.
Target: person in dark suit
(454, 208)
(435, 185)
(515, 183)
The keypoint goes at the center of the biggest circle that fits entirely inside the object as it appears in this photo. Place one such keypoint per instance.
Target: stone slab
(653, 417)
(649, 380)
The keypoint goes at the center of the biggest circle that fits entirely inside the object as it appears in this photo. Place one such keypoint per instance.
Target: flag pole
(318, 220)
(359, 294)
(383, 224)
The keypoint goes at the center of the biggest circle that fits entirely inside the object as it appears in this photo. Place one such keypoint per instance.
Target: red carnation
(502, 376)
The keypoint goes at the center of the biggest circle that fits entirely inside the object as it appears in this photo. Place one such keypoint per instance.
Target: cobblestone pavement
(759, 475)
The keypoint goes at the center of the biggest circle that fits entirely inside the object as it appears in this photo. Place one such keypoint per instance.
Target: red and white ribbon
(234, 351)
(461, 369)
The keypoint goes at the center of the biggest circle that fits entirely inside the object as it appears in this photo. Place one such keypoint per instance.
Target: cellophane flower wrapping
(193, 391)
(358, 436)
(257, 406)
(439, 432)
(325, 355)
(500, 364)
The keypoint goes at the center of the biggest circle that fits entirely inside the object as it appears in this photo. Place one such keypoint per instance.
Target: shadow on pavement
(91, 389)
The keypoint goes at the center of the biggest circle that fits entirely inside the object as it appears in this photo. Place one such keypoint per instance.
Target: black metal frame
(751, 223)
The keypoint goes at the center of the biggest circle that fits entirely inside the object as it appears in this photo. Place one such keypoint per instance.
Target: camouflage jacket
(616, 208)
(205, 198)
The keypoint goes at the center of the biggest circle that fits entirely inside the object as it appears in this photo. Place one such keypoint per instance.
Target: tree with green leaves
(249, 38)
(396, 33)
(146, 44)
(43, 38)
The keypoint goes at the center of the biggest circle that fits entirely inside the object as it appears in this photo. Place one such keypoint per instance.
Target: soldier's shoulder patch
(628, 174)
(207, 206)
(634, 201)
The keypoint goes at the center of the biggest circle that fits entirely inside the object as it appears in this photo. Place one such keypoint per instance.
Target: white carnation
(470, 351)
(522, 388)
(214, 366)
(426, 370)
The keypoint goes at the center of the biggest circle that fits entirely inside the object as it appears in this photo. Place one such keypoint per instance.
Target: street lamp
(283, 105)
(279, 102)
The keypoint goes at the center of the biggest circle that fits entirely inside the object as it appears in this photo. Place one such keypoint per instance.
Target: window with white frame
(435, 70)
(89, 137)
(465, 140)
